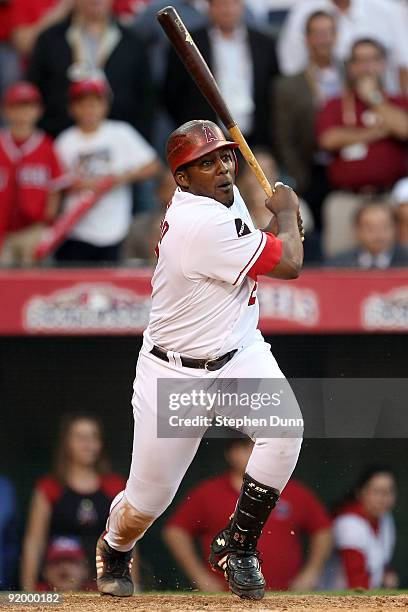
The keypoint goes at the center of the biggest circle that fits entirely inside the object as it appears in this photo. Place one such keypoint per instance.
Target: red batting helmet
(193, 140)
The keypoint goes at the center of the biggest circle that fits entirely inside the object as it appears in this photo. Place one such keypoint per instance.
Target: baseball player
(203, 324)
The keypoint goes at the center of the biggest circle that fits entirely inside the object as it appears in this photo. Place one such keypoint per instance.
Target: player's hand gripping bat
(199, 71)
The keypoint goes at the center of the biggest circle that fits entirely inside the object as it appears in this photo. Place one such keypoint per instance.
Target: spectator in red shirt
(29, 19)
(366, 132)
(202, 513)
(29, 170)
(127, 10)
(72, 501)
(364, 533)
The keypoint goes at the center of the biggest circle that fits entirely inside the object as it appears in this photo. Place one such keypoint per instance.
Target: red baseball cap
(95, 85)
(21, 92)
(64, 548)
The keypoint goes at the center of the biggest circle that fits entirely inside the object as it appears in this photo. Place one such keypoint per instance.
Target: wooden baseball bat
(198, 69)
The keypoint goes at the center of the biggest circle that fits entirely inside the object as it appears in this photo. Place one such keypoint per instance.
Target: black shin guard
(255, 503)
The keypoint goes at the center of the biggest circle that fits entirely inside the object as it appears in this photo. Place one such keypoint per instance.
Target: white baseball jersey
(116, 147)
(203, 301)
(355, 532)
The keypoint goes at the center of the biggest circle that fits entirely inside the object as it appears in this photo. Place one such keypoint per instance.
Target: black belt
(189, 362)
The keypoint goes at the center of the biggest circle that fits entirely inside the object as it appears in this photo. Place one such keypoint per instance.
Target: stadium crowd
(304, 546)
(90, 90)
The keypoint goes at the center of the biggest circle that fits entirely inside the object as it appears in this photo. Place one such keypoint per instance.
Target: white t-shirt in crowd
(355, 532)
(203, 304)
(379, 19)
(115, 148)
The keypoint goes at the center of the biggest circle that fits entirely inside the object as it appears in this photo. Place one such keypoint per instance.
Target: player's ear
(181, 179)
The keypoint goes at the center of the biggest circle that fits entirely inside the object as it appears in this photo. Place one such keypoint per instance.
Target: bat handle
(251, 159)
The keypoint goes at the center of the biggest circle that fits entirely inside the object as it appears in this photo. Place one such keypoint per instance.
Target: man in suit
(149, 30)
(377, 247)
(297, 98)
(399, 198)
(243, 61)
(90, 40)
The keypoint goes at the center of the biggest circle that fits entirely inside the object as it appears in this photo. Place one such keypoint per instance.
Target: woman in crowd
(364, 533)
(72, 501)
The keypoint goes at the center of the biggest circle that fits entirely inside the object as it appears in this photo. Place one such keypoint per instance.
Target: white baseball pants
(159, 464)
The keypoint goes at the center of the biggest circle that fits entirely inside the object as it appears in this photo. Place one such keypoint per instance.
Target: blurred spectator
(91, 39)
(254, 197)
(366, 132)
(127, 10)
(297, 99)
(399, 199)
(270, 14)
(72, 501)
(376, 246)
(157, 46)
(243, 62)
(9, 61)
(31, 18)
(364, 533)
(29, 173)
(149, 29)
(94, 149)
(298, 512)
(382, 20)
(8, 534)
(65, 567)
(144, 233)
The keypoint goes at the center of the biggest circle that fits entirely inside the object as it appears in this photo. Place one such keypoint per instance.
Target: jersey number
(164, 228)
(252, 297)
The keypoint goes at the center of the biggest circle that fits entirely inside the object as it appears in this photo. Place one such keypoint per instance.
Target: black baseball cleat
(241, 568)
(113, 570)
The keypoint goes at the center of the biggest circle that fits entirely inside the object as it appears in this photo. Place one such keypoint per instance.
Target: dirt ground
(221, 603)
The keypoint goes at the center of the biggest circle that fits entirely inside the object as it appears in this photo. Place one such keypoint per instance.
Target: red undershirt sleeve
(269, 257)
